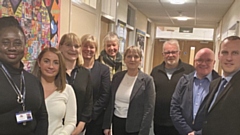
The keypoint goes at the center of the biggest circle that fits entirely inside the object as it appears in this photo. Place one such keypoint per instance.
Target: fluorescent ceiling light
(177, 1)
(182, 18)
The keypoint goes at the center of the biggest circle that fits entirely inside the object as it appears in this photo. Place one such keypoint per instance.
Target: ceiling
(203, 13)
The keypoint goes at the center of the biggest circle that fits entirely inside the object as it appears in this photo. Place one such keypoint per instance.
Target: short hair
(60, 80)
(171, 42)
(10, 21)
(133, 49)
(88, 38)
(111, 36)
(71, 38)
(231, 38)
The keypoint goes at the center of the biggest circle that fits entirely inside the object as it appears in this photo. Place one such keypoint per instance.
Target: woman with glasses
(132, 98)
(79, 78)
(59, 97)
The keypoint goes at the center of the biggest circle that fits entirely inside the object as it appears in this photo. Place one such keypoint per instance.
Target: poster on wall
(122, 34)
(40, 21)
(140, 40)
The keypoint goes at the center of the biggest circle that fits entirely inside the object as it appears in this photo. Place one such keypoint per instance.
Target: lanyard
(73, 79)
(20, 93)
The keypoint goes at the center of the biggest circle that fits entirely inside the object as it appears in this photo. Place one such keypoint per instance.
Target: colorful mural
(40, 21)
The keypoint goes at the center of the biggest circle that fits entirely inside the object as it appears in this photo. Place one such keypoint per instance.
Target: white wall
(230, 18)
(82, 22)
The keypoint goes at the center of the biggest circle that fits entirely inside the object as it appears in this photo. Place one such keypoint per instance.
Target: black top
(34, 102)
(80, 80)
(164, 90)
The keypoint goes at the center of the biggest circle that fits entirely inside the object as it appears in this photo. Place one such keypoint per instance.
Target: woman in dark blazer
(79, 78)
(100, 76)
(132, 99)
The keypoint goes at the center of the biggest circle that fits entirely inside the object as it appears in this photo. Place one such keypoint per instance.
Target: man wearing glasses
(189, 98)
(166, 76)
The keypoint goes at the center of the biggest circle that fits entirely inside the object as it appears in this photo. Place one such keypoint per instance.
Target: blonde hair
(90, 39)
(133, 49)
(71, 38)
(60, 79)
(111, 36)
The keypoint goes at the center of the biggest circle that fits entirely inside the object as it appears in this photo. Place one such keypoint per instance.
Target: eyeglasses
(76, 46)
(172, 52)
(200, 61)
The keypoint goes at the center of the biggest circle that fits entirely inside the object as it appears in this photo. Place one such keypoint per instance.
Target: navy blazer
(181, 110)
(224, 116)
(100, 76)
(141, 106)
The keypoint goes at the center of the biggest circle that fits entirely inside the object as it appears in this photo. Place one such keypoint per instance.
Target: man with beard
(166, 76)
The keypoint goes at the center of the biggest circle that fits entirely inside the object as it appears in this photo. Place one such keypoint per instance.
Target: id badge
(24, 116)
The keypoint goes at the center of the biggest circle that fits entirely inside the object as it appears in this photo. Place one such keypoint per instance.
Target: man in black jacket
(166, 76)
(223, 106)
(189, 99)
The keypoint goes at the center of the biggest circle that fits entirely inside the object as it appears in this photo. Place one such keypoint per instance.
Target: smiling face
(229, 56)
(132, 58)
(88, 50)
(12, 42)
(171, 55)
(49, 65)
(111, 47)
(204, 62)
(70, 51)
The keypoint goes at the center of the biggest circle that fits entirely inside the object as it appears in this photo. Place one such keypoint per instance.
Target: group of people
(71, 90)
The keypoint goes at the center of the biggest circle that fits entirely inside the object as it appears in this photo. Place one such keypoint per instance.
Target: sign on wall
(140, 40)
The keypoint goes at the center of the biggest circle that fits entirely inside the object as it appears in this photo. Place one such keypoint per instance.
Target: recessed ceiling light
(177, 1)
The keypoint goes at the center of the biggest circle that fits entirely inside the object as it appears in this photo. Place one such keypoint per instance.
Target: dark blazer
(224, 116)
(100, 76)
(181, 110)
(141, 106)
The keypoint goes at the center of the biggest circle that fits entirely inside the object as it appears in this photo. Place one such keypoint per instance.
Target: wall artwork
(122, 34)
(140, 40)
(40, 20)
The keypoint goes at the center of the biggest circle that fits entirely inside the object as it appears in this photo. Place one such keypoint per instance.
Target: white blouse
(61, 106)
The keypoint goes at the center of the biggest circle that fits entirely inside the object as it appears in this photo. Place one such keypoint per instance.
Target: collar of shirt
(209, 76)
(228, 78)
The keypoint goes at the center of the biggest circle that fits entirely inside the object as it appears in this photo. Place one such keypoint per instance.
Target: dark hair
(10, 21)
(60, 80)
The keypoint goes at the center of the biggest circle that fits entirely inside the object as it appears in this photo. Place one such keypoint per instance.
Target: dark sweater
(164, 90)
(34, 103)
(80, 80)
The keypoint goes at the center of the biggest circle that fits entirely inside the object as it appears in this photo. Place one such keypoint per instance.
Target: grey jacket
(141, 106)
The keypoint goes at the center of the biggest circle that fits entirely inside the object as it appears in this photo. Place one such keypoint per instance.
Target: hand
(79, 128)
(191, 133)
(107, 132)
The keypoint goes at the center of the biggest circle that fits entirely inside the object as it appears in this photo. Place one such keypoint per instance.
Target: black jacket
(164, 90)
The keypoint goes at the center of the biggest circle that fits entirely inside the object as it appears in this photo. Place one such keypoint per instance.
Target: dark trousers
(119, 126)
(94, 128)
(165, 130)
